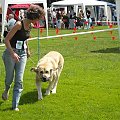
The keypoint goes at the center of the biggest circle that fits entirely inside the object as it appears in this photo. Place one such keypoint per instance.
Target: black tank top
(20, 35)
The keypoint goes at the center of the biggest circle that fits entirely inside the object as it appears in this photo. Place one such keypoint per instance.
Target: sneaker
(16, 109)
(5, 95)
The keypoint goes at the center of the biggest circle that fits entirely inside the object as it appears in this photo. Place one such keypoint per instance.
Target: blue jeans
(14, 71)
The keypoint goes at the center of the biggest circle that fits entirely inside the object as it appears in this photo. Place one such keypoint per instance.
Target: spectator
(5, 28)
(88, 18)
(54, 20)
(72, 11)
(88, 13)
(21, 14)
(76, 20)
(71, 22)
(82, 19)
(66, 20)
(58, 23)
(11, 21)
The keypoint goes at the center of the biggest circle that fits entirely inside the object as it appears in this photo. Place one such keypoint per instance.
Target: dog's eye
(46, 71)
(41, 72)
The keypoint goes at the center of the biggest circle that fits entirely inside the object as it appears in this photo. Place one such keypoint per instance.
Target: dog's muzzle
(44, 79)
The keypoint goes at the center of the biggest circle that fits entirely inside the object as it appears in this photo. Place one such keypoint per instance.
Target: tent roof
(78, 2)
(24, 1)
(19, 6)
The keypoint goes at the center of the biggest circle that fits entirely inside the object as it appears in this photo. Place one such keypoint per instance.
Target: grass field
(89, 86)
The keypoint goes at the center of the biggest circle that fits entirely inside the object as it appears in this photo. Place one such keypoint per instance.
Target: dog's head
(45, 73)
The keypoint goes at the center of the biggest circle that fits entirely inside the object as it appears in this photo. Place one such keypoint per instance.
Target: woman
(16, 53)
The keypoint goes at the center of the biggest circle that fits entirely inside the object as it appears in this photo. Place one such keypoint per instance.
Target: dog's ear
(34, 69)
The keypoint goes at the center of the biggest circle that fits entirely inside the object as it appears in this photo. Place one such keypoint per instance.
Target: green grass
(89, 86)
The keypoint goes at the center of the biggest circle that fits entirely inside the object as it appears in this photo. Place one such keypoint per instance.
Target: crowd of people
(11, 20)
(60, 19)
(56, 19)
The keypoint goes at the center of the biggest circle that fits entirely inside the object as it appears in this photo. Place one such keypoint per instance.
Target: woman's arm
(9, 37)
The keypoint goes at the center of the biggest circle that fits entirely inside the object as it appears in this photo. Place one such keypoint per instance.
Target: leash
(32, 61)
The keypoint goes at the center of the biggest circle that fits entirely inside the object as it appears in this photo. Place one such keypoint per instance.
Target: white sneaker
(16, 109)
(5, 95)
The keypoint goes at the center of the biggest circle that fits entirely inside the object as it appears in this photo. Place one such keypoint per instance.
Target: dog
(48, 70)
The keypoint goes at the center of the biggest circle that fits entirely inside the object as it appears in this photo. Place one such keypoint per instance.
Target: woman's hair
(35, 12)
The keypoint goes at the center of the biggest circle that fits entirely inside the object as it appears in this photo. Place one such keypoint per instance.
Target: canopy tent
(20, 6)
(77, 2)
(81, 3)
(5, 6)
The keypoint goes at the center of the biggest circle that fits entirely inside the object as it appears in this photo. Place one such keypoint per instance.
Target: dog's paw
(47, 93)
(53, 91)
(40, 98)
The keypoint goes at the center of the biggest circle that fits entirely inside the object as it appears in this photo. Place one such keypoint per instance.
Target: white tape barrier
(106, 21)
(2, 45)
(72, 34)
(65, 35)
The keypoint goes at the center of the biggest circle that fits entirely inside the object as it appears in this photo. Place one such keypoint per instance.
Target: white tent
(5, 6)
(81, 3)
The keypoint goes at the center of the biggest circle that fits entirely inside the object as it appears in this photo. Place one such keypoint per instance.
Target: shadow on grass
(6, 109)
(30, 97)
(108, 50)
(1, 103)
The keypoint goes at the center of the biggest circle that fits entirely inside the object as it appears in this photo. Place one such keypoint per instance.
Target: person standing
(71, 22)
(11, 21)
(58, 16)
(54, 19)
(88, 18)
(5, 28)
(66, 20)
(16, 53)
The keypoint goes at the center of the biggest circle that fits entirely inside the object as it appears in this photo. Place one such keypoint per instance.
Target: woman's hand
(15, 57)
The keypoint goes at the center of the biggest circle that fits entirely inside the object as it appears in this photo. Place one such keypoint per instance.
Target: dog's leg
(49, 88)
(38, 85)
(55, 86)
(56, 81)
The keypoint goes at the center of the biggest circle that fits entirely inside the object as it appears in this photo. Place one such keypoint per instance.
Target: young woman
(16, 53)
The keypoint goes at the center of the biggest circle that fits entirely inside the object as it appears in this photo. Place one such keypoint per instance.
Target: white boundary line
(72, 34)
(105, 22)
(2, 45)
